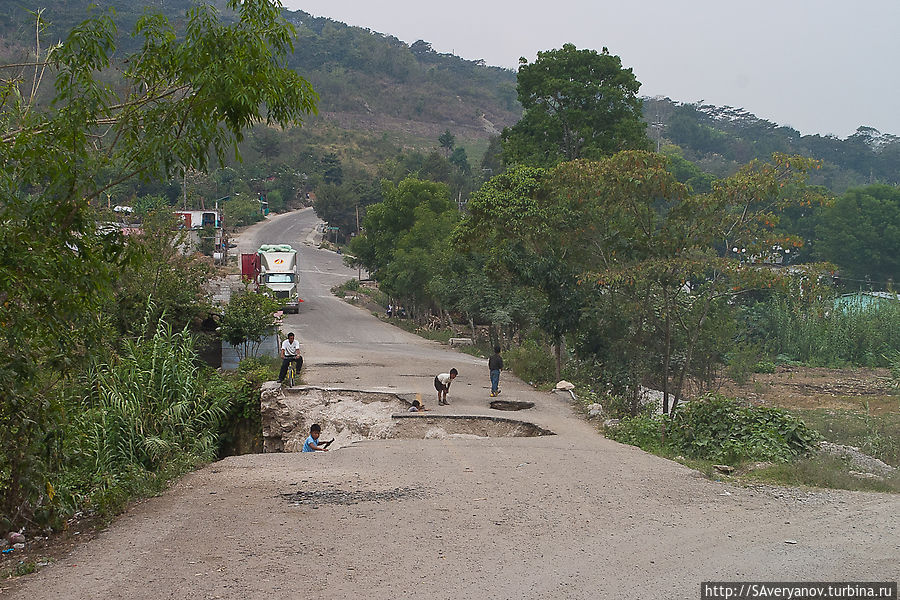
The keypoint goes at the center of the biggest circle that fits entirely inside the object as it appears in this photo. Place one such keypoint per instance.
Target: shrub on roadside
(147, 410)
(720, 429)
(242, 210)
(134, 422)
(531, 362)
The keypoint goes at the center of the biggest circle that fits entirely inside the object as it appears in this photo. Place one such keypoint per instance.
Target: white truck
(278, 272)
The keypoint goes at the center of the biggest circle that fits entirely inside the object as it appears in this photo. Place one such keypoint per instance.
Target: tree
(460, 160)
(630, 263)
(182, 100)
(332, 171)
(266, 141)
(666, 276)
(529, 233)
(404, 235)
(242, 209)
(492, 161)
(577, 104)
(860, 233)
(155, 267)
(447, 141)
(473, 285)
(249, 317)
(342, 205)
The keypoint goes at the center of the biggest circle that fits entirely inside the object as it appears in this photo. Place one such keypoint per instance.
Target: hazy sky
(820, 66)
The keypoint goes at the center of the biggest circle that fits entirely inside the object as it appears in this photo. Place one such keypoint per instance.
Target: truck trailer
(278, 272)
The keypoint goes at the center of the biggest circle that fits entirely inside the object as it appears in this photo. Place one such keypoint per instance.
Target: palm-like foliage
(149, 407)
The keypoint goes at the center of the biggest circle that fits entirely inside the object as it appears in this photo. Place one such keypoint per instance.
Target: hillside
(380, 96)
(368, 82)
(721, 138)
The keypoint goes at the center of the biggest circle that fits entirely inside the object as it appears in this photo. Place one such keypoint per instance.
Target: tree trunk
(635, 391)
(688, 356)
(668, 358)
(559, 344)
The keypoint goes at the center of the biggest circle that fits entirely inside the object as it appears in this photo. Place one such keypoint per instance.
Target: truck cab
(278, 272)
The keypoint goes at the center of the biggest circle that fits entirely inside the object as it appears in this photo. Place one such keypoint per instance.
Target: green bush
(275, 198)
(764, 366)
(251, 374)
(242, 210)
(647, 432)
(741, 363)
(242, 428)
(894, 364)
(531, 362)
(144, 418)
(247, 320)
(720, 429)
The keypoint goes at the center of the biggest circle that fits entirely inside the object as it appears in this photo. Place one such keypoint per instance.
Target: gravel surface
(571, 515)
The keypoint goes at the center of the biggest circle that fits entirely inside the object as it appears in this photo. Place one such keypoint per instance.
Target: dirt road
(571, 515)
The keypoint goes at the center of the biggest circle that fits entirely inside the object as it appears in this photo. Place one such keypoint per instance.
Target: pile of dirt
(858, 459)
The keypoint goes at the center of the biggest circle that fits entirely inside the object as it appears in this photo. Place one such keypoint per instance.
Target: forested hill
(719, 139)
(379, 94)
(367, 81)
(371, 75)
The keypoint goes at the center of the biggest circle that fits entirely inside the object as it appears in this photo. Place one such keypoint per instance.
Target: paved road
(342, 344)
(566, 516)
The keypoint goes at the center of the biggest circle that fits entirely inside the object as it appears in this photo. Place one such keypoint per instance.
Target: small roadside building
(865, 300)
(206, 232)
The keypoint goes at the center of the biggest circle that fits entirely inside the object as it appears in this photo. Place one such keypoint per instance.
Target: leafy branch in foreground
(185, 99)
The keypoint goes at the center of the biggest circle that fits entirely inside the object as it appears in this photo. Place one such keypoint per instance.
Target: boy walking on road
(495, 365)
(442, 385)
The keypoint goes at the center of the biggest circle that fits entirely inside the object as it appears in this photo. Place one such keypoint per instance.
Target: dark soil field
(807, 388)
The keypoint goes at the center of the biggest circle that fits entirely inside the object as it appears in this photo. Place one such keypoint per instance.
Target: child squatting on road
(312, 442)
(442, 385)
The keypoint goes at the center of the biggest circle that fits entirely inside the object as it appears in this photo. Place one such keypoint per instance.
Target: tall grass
(148, 413)
(822, 335)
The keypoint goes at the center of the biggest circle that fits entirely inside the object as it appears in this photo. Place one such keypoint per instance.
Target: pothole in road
(347, 364)
(413, 426)
(511, 405)
(349, 416)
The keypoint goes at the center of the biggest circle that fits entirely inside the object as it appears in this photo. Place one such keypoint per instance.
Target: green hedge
(722, 430)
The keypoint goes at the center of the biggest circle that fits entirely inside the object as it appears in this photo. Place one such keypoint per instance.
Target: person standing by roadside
(290, 351)
(495, 365)
(442, 385)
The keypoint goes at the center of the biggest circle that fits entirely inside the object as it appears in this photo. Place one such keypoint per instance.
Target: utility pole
(658, 125)
(358, 266)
